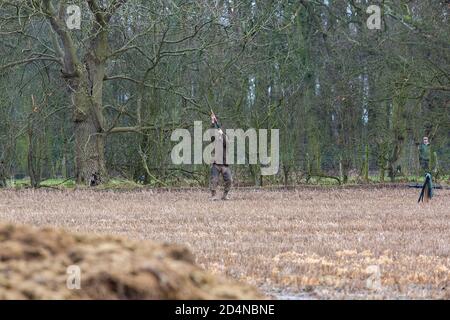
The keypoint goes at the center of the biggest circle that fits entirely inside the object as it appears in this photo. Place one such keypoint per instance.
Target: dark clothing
(424, 157)
(224, 147)
(424, 152)
(424, 165)
(216, 171)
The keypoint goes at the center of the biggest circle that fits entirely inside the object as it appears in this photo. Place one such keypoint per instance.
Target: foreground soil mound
(34, 265)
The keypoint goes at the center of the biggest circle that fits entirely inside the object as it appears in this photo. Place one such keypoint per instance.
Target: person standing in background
(425, 155)
(220, 166)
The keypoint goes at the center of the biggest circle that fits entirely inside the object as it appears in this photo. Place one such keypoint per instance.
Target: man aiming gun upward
(220, 166)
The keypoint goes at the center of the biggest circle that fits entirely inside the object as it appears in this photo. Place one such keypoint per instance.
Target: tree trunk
(84, 79)
(88, 128)
(366, 164)
(89, 150)
(382, 173)
(89, 121)
(286, 170)
(34, 145)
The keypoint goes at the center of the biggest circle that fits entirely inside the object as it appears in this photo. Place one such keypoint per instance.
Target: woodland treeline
(349, 101)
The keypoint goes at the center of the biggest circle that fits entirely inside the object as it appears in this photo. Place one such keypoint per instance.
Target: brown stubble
(317, 243)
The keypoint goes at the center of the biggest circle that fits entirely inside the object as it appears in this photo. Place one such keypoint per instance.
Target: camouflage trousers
(216, 171)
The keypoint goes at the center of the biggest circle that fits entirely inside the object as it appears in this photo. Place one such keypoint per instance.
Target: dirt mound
(34, 265)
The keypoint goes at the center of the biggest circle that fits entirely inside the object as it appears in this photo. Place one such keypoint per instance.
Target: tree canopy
(105, 98)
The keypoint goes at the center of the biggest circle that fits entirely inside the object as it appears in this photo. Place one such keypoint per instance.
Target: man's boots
(214, 196)
(225, 196)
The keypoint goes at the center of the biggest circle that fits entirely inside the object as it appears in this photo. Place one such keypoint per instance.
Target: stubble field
(307, 243)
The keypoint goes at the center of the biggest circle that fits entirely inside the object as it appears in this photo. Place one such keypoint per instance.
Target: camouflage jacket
(424, 151)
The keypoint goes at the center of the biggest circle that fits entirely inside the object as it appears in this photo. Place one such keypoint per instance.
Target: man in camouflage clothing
(220, 167)
(425, 155)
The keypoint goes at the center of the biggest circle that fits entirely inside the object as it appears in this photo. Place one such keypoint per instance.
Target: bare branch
(25, 61)
(70, 58)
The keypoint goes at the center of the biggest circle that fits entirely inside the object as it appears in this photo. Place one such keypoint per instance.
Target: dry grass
(318, 243)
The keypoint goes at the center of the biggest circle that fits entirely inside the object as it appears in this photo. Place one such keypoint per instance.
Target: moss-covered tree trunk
(88, 113)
